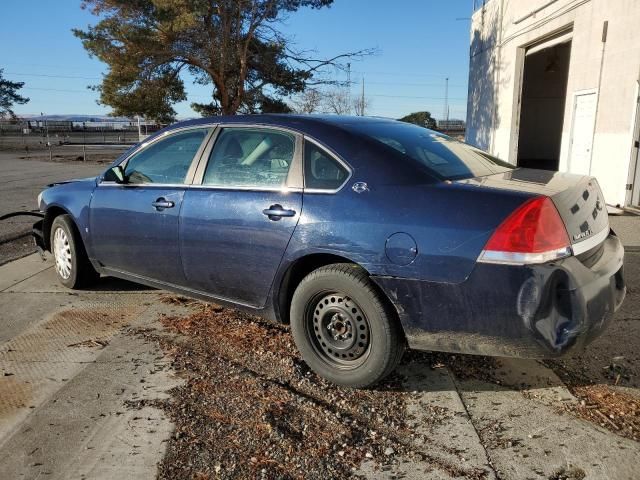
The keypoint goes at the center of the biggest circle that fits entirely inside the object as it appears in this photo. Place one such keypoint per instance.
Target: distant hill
(78, 118)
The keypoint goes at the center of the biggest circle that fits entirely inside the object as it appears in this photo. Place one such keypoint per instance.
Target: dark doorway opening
(544, 93)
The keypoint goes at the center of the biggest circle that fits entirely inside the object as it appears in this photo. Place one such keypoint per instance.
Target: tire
(73, 268)
(344, 328)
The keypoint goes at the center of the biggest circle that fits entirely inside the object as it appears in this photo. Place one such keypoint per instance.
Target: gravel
(250, 407)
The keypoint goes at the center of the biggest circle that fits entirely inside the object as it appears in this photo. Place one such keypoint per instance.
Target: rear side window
(250, 157)
(442, 156)
(321, 170)
(167, 160)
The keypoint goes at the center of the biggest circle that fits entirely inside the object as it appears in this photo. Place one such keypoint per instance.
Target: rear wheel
(72, 265)
(344, 328)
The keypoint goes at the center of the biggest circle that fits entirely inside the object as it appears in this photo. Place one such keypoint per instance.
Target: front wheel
(344, 328)
(72, 265)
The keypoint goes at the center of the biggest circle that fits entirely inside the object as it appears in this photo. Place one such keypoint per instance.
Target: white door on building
(584, 117)
(635, 198)
(634, 174)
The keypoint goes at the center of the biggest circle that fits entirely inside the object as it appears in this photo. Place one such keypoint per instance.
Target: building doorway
(542, 105)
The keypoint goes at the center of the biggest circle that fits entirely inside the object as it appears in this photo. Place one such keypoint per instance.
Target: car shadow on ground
(473, 372)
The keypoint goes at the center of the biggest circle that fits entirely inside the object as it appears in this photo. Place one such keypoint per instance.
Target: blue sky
(420, 43)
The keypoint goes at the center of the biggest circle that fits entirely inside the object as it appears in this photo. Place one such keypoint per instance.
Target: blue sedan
(366, 235)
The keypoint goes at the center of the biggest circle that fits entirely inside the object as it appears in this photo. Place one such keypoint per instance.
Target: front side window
(250, 157)
(167, 160)
(321, 170)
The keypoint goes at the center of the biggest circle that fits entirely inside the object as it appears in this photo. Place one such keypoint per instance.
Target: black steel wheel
(345, 329)
(339, 329)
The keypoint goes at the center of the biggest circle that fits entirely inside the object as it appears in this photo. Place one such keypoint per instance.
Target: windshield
(444, 157)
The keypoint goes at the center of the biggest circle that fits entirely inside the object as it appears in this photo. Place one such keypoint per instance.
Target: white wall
(499, 37)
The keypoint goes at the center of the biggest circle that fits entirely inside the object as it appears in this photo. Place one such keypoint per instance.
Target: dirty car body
(241, 218)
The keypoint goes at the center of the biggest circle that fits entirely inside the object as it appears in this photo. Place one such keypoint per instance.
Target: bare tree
(361, 105)
(309, 101)
(337, 101)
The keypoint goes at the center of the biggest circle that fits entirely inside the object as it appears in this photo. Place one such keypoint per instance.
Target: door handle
(276, 212)
(162, 203)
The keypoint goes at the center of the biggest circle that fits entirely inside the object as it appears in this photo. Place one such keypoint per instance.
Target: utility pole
(445, 117)
(362, 99)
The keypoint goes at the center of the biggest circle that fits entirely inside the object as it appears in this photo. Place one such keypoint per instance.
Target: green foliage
(232, 45)
(422, 119)
(9, 96)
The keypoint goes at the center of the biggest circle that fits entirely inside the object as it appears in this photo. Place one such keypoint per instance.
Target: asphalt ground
(23, 177)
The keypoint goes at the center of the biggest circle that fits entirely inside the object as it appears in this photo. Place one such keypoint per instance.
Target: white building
(555, 84)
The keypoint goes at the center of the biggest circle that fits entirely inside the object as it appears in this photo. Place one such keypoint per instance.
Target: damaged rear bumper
(534, 311)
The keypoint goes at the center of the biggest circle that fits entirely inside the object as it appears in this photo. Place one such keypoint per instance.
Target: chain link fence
(84, 141)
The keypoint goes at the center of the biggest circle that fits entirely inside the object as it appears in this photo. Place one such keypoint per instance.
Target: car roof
(333, 132)
(301, 122)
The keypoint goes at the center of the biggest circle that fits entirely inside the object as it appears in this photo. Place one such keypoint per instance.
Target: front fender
(72, 199)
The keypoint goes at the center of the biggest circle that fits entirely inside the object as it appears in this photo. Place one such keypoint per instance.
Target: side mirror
(114, 174)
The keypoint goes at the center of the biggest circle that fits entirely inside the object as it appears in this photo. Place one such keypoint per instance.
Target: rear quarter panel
(450, 224)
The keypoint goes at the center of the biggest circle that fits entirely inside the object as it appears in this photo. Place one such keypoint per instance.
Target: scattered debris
(92, 342)
(618, 369)
(170, 299)
(571, 473)
(251, 408)
(606, 405)
(609, 408)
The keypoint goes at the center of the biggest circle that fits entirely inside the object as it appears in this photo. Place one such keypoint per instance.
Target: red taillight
(534, 228)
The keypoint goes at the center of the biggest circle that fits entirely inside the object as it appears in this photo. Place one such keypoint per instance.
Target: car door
(134, 225)
(240, 214)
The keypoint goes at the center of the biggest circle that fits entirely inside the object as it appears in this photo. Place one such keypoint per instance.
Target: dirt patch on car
(251, 408)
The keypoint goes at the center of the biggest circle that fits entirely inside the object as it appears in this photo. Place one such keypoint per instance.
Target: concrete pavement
(67, 368)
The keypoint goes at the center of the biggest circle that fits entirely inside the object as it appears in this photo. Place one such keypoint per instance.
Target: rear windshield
(444, 157)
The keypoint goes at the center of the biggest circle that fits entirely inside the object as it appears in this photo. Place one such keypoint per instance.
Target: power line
(404, 74)
(390, 83)
(394, 73)
(417, 84)
(203, 97)
(52, 76)
(417, 97)
(56, 90)
(22, 64)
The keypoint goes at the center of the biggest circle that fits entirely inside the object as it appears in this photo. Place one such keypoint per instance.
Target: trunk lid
(578, 199)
